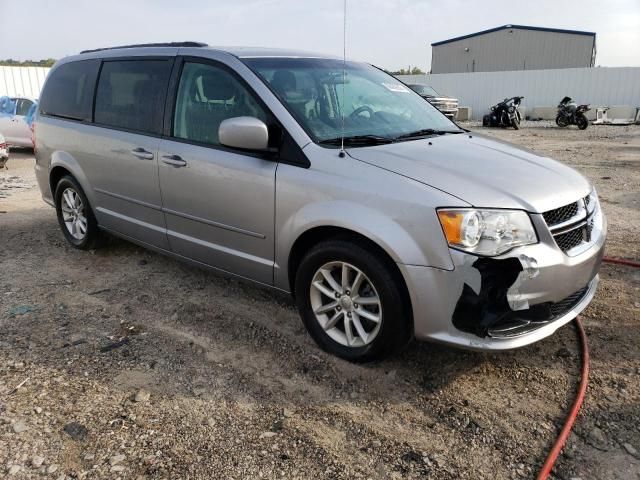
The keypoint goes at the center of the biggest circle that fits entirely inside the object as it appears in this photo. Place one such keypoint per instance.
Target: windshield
(373, 103)
(424, 90)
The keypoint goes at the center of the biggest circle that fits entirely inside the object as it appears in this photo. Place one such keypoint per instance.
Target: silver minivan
(330, 180)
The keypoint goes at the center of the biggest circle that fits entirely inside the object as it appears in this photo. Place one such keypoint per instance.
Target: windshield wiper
(355, 140)
(424, 132)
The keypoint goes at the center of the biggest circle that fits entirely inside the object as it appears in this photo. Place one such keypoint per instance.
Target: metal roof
(520, 27)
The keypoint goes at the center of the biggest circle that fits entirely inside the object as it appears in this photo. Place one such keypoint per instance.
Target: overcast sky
(388, 33)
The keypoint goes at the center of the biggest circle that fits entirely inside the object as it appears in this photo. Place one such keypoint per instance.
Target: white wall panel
(25, 81)
(541, 88)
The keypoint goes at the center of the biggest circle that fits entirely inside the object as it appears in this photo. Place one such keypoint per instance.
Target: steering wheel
(363, 108)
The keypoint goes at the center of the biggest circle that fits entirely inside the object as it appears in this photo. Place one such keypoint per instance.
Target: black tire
(515, 123)
(93, 237)
(395, 324)
(561, 121)
(582, 122)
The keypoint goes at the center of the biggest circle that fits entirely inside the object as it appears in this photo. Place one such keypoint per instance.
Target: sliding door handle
(174, 160)
(142, 154)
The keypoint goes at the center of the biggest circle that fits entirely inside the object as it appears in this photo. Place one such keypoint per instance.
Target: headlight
(591, 201)
(486, 232)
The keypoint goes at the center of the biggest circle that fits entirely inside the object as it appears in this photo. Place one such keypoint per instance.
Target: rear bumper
(42, 176)
(503, 302)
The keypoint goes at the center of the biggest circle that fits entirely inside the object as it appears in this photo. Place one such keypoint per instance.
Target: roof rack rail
(166, 44)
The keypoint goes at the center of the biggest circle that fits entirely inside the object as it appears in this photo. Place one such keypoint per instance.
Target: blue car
(16, 119)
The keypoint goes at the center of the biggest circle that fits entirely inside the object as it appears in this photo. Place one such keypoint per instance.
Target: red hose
(582, 389)
(621, 261)
(575, 408)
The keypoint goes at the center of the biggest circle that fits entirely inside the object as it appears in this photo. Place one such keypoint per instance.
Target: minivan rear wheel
(351, 302)
(75, 217)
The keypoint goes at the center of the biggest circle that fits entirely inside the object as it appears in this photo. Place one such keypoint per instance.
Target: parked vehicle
(16, 116)
(232, 159)
(447, 105)
(4, 152)
(504, 114)
(569, 113)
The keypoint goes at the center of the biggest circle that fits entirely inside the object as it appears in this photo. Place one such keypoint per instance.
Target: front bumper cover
(504, 302)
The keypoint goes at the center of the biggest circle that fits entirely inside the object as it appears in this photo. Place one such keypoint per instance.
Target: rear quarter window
(68, 92)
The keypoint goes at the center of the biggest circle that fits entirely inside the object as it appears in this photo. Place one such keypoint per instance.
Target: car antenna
(344, 75)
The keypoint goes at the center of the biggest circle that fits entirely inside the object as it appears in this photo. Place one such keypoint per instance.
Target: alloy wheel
(73, 214)
(346, 304)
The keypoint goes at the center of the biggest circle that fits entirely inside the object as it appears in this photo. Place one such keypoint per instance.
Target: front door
(20, 132)
(218, 203)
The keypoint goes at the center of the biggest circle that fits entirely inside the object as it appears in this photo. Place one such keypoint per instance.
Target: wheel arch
(62, 163)
(320, 234)
(55, 175)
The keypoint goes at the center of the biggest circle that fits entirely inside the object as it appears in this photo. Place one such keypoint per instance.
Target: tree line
(10, 62)
(408, 71)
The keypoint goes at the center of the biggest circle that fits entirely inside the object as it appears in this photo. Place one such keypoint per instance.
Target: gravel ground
(121, 363)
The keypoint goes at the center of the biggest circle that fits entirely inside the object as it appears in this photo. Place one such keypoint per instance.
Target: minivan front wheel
(75, 216)
(350, 301)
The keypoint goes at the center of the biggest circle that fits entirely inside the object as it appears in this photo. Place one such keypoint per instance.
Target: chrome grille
(571, 239)
(562, 214)
(571, 225)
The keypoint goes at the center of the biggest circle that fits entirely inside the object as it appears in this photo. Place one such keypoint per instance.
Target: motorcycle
(504, 114)
(569, 113)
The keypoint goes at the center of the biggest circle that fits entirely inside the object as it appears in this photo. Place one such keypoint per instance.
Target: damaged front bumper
(509, 301)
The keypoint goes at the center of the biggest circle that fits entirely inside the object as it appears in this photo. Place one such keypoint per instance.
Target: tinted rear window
(68, 92)
(131, 94)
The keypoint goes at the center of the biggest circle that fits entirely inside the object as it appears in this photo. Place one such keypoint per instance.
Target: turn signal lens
(451, 224)
(462, 228)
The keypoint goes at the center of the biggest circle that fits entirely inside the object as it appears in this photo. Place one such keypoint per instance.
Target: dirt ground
(133, 365)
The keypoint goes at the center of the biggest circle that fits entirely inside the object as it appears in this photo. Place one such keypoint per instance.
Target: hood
(481, 171)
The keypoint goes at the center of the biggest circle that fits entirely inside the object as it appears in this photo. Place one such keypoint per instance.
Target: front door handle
(142, 154)
(174, 160)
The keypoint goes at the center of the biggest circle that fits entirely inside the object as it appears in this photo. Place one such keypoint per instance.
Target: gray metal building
(514, 47)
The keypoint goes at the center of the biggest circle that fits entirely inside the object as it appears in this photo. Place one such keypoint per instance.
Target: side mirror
(248, 133)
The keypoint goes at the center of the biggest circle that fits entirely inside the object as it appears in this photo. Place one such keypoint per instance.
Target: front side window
(131, 94)
(68, 92)
(359, 100)
(23, 106)
(208, 95)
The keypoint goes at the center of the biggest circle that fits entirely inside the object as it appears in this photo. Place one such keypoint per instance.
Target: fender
(356, 217)
(63, 159)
